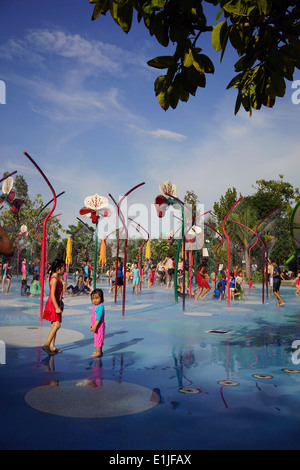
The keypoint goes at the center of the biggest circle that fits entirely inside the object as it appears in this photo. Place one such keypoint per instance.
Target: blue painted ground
(162, 351)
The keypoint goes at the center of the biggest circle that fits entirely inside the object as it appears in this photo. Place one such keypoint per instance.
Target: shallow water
(209, 377)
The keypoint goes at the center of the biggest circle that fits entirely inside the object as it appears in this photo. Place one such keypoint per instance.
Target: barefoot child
(54, 306)
(97, 320)
(135, 279)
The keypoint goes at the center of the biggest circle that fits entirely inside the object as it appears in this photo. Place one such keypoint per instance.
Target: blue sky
(80, 101)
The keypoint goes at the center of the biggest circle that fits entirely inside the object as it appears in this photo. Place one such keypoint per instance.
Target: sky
(79, 98)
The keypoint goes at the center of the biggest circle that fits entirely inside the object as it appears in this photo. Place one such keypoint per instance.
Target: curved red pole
(7, 176)
(121, 217)
(49, 220)
(228, 250)
(249, 274)
(42, 274)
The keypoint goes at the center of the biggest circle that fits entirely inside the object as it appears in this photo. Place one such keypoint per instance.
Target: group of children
(235, 288)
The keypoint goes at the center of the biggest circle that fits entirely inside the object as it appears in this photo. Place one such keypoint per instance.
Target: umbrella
(69, 252)
(148, 250)
(102, 257)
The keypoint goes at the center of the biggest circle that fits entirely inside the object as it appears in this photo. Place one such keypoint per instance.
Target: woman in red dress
(54, 306)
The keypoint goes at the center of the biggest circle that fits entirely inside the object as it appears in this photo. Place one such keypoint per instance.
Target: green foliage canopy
(263, 33)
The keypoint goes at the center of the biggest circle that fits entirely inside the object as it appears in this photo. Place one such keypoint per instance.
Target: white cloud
(168, 135)
(93, 56)
(160, 133)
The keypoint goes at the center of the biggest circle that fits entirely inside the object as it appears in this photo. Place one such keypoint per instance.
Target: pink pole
(49, 220)
(42, 275)
(228, 252)
(125, 248)
(7, 176)
(249, 276)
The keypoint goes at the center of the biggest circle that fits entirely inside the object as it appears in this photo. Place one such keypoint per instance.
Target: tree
(251, 210)
(226, 202)
(263, 33)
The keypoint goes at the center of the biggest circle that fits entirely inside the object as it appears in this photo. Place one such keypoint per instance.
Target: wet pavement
(209, 377)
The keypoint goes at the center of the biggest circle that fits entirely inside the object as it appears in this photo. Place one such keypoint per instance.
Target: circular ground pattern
(90, 398)
(31, 336)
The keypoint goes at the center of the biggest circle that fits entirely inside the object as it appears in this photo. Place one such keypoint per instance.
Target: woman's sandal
(48, 350)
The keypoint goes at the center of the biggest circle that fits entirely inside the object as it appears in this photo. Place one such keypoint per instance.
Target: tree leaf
(159, 84)
(158, 3)
(163, 100)
(188, 58)
(161, 62)
(278, 84)
(125, 14)
(101, 7)
(216, 35)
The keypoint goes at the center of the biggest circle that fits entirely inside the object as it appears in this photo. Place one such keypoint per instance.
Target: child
(97, 320)
(35, 286)
(297, 283)
(180, 281)
(239, 283)
(224, 284)
(24, 288)
(202, 282)
(135, 279)
(79, 286)
(232, 286)
(54, 306)
(24, 269)
(151, 277)
(6, 276)
(218, 293)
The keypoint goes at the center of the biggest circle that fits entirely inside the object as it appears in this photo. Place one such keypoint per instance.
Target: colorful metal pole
(121, 217)
(95, 255)
(228, 249)
(7, 176)
(42, 275)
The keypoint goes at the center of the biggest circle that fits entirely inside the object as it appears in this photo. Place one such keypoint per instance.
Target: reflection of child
(97, 320)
